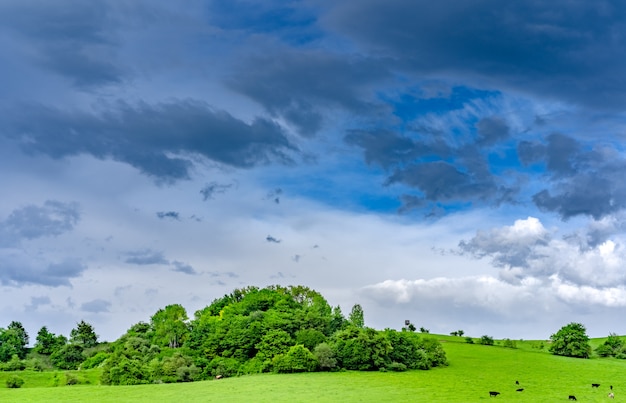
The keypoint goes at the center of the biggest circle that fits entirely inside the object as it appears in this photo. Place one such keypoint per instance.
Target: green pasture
(474, 370)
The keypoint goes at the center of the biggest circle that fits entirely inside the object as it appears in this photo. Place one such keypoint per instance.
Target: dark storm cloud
(564, 49)
(443, 169)
(387, 148)
(51, 219)
(292, 22)
(145, 257)
(582, 180)
(302, 85)
(96, 306)
(71, 38)
(156, 139)
(174, 215)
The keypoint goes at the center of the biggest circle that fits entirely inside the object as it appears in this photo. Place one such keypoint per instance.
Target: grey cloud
(17, 269)
(301, 85)
(527, 250)
(159, 140)
(571, 51)
(213, 188)
(36, 302)
(530, 152)
(509, 246)
(71, 38)
(183, 268)
(145, 257)
(387, 148)
(274, 195)
(174, 215)
(51, 219)
(96, 306)
(271, 239)
(582, 180)
(492, 130)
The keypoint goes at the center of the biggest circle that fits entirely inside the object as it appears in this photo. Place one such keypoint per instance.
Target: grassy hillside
(474, 371)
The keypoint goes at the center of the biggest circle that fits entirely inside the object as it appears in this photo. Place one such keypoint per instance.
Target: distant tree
(47, 342)
(571, 341)
(21, 332)
(13, 341)
(69, 356)
(460, 333)
(411, 327)
(424, 330)
(454, 333)
(84, 335)
(337, 320)
(356, 317)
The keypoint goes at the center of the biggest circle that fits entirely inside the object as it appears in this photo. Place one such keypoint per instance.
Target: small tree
(325, 357)
(571, 341)
(460, 333)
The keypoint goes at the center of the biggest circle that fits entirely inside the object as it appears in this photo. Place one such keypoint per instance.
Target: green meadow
(473, 371)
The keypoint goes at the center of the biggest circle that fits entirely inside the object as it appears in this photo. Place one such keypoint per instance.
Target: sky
(456, 164)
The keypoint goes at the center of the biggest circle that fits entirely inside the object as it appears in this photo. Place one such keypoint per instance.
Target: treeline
(252, 330)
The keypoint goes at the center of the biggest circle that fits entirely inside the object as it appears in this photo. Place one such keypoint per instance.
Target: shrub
(71, 379)
(297, 359)
(469, 340)
(14, 382)
(325, 357)
(486, 340)
(396, 367)
(509, 343)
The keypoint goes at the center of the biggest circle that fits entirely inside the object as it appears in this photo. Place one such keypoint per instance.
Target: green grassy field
(474, 370)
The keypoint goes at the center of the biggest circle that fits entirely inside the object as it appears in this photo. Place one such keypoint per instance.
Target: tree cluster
(252, 330)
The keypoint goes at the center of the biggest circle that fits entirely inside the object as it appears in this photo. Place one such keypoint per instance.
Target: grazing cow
(611, 387)
(595, 385)
(517, 382)
(572, 397)
(611, 395)
(519, 390)
(219, 376)
(493, 394)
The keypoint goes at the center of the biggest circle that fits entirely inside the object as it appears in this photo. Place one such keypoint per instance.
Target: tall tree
(170, 326)
(84, 334)
(356, 317)
(47, 342)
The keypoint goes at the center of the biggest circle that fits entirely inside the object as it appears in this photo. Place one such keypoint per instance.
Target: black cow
(519, 390)
(572, 397)
(517, 382)
(595, 385)
(493, 394)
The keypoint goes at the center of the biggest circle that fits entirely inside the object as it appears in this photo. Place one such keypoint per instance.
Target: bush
(297, 359)
(14, 382)
(469, 340)
(486, 340)
(509, 343)
(14, 364)
(71, 379)
(396, 367)
(95, 360)
(325, 357)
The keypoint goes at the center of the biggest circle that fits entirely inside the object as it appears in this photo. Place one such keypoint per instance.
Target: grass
(474, 370)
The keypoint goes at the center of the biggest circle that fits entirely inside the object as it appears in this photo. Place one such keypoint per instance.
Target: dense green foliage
(571, 341)
(612, 347)
(252, 330)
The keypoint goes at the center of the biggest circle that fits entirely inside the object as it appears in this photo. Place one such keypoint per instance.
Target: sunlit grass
(474, 370)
